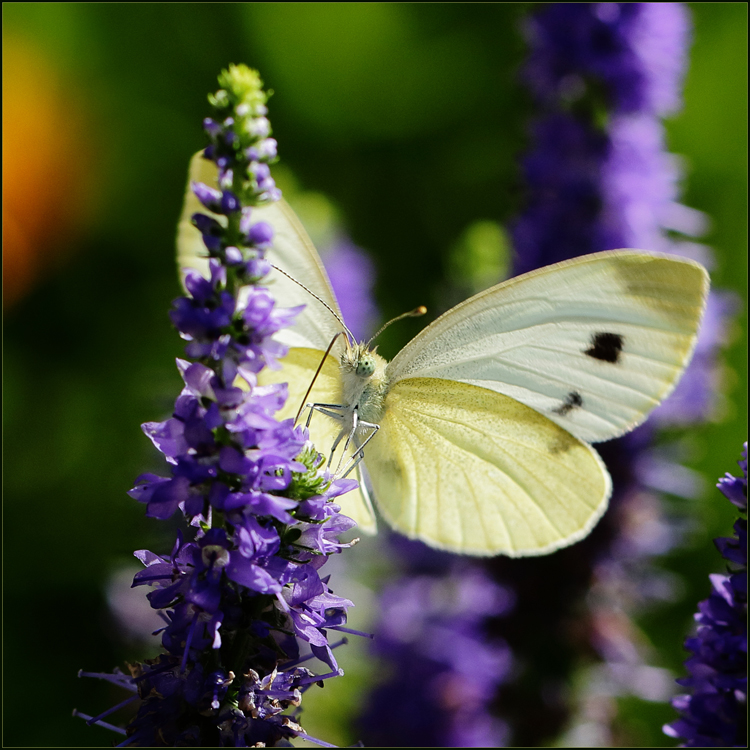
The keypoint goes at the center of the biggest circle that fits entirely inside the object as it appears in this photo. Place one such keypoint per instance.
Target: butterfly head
(360, 360)
(366, 366)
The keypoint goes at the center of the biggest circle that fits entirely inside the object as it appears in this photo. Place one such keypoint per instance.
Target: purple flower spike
(250, 487)
(714, 715)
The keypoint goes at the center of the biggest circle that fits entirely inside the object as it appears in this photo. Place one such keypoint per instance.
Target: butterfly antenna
(317, 372)
(415, 313)
(322, 302)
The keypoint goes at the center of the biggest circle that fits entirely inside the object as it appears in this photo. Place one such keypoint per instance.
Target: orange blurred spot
(46, 152)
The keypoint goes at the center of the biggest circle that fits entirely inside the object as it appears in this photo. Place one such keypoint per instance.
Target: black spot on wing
(606, 347)
(562, 443)
(572, 401)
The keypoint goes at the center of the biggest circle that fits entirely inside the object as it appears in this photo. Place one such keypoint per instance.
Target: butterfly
(481, 426)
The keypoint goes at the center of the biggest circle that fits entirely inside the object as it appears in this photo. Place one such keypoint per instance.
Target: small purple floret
(260, 234)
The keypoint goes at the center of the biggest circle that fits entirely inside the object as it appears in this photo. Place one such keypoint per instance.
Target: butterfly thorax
(364, 381)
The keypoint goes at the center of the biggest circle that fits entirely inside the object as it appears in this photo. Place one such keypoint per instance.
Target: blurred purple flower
(446, 671)
(598, 178)
(636, 52)
(601, 187)
(620, 64)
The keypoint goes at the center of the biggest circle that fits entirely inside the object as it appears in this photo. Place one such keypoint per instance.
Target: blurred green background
(409, 117)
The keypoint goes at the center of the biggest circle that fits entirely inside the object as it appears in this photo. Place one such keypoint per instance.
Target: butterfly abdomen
(372, 400)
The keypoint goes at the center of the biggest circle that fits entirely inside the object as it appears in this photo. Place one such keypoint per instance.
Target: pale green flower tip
(241, 89)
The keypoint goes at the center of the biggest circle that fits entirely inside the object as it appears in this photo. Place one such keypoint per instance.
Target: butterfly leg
(354, 460)
(324, 409)
(356, 457)
(339, 413)
(335, 411)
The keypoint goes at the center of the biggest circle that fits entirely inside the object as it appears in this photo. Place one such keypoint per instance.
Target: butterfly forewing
(473, 471)
(292, 252)
(594, 344)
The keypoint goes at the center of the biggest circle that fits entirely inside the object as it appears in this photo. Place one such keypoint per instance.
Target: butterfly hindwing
(594, 343)
(473, 471)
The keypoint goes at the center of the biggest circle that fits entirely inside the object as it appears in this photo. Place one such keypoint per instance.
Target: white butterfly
(486, 416)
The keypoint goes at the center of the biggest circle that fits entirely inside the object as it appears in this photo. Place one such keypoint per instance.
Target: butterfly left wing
(468, 470)
(292, 252)
(594, 344)
(313, 328)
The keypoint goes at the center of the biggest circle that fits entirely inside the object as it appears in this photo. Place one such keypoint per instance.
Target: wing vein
(512, 479)
(542, 454)
(415, 431)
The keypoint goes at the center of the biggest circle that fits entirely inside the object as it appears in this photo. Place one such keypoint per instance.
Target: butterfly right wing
(594, 343)
(292, 252)
(476, 472)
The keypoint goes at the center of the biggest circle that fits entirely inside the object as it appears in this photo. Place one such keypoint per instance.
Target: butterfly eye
(365, 366)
